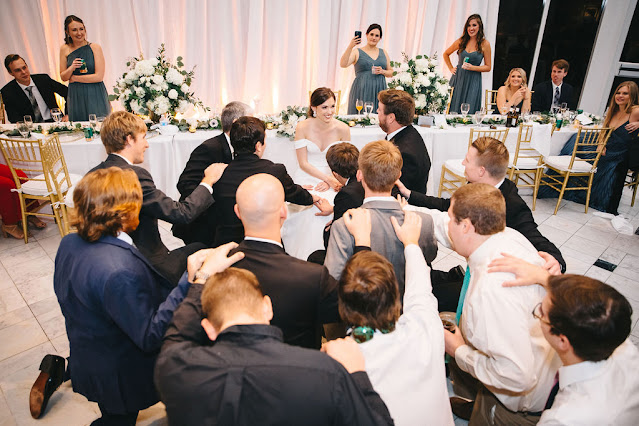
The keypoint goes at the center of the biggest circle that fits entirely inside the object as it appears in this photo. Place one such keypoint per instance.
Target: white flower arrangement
(155, 86)
(419, 77)
(288, 119)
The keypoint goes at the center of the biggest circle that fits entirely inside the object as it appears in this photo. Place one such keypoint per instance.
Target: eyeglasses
(538, 314)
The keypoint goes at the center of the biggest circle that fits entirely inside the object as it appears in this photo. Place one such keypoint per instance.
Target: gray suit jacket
(383, 240)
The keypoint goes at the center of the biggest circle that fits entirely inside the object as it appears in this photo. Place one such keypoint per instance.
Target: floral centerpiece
(155, 86)
(420, 78)
(287, 121)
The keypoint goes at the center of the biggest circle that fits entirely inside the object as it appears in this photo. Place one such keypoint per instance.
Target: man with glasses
(587, 322)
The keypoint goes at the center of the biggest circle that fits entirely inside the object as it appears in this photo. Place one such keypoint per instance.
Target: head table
(167, 156)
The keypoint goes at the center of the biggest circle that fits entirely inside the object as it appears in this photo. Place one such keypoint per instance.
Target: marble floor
(32, 325)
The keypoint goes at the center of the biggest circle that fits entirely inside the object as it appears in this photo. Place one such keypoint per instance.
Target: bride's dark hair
(318, 97)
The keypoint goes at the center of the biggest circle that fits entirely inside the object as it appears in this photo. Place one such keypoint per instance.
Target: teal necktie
(462, 294)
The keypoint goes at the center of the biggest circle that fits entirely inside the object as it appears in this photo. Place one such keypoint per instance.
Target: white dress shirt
(264, 240)
(44, 109)
(406, 366)
(554, 89)
(506, 349)
(598, 393)
(392, 135)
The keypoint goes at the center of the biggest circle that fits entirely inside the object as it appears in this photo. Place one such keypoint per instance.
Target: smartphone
(358, 34)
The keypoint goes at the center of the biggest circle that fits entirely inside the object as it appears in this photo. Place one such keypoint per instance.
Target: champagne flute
(465, 108)
(93, 121)
(56, 114)
(359, 104)
(28, 121)
(368, 106)
(23, 128)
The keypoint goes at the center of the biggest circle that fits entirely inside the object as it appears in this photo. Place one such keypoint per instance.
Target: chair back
(2, 112)
(523, 150)
(490, 100)
(450, 98)
(25, 155)
(499, 134)
(338, 95)
(55, 164)
(589, 145)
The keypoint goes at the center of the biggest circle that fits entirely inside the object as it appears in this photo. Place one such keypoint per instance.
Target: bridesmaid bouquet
(420, 78)
(155, 86)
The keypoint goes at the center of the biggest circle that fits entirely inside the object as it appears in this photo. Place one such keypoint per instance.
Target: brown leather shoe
(462, 407)
(50, 379)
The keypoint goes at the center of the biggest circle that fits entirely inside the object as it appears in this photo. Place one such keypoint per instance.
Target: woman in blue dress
(82, 64)
(607, 184)
(372, 67)
(471, 48)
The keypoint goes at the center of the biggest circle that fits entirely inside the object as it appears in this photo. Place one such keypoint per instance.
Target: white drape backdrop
(272, 51)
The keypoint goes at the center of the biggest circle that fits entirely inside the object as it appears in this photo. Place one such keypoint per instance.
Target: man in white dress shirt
(587, 322)
(500, 345)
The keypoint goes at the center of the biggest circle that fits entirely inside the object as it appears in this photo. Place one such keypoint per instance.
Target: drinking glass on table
(478, 117)
(56, 114)
(527, 117)
(28, 121)
(465, 108)
(359, 104)
(563, 107)
(100, 120)
(23, 128)
(368, 107)
(93, 121)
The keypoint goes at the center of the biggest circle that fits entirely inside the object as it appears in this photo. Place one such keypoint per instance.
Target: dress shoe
(50, 379)
(462, 407)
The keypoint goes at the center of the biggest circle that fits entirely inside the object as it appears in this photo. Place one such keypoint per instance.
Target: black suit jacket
(156, 205)
(416, 160)
(518, 217)
(542, 98)
(229, 227)
(17, 103)
(351, 196)
(214, 150)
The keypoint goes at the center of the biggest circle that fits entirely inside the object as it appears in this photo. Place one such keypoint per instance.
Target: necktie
(553, 393)
(37, 115)
(555, 99)
(462, 294)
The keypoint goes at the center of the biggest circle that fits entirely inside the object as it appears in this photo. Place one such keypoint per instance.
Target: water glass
(28, 121)
(93, 121)
(100, 120)
(56, 114)
(465, 108)
(23, 128)
(368, 106)
(527, 118)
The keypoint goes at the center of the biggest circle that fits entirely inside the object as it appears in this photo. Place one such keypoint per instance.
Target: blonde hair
(381, 165)
(613, 108)
(117, 126)
(521, 71)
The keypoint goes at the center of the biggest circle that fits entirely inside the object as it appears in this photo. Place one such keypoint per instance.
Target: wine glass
(23, 128)
(93, 121)
(554, 110)
(465, 108)
(100, 120)
(368, 106)
(479, 116)
(28, 121)
(359, 104)
(527, 117)
(56, 114)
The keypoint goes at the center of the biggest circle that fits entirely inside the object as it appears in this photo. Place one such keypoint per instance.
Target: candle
(269, 126)
(45, 132)
(351, 123)
(192, 129)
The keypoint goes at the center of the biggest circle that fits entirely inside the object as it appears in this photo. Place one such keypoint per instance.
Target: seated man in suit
(28, 94)
(124, 137)
(245, 375)
(396, 111)
(500, 356)
(555, 91)
(214, 150)
(380, 165)
(248, 140)
(588, 323)
(487, 162)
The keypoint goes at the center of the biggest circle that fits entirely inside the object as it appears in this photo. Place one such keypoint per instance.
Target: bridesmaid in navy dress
(82, 64)
(372, 67)
(472, 48)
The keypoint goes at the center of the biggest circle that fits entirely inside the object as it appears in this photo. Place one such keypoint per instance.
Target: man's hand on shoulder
(358, 223)
(213, 173)
(408, 233)
(346, 352)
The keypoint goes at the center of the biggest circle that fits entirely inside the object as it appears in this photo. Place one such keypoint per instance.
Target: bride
(313, 137)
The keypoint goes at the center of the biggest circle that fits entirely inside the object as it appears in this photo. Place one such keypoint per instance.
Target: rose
(213, 123)
(140, 92)
(144, 67)
(173, 94)
(184, 88)
(421, 65)
(404, 78)
(173, 76)
(158, 79)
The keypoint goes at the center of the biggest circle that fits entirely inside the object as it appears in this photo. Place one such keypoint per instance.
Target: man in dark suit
(124, 137)
(214, 150)
(487, 162)
(28, 94)
(555, 91)
(396, 111)
(247, 139)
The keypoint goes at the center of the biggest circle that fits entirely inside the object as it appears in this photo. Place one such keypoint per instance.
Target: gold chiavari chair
(525, 162)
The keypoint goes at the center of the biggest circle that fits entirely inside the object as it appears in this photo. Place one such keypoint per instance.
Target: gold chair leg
(538, 175)
(441, 181)
(592, 175)
(561, 194)
(23, 211)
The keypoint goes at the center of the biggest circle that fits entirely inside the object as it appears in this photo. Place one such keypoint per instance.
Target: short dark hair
(67, 21)
(372, 27)
(246, 132)
(342, 159)
(368, 294)
(399, 103)
(10, 58)
(594, 316)
(562, 64)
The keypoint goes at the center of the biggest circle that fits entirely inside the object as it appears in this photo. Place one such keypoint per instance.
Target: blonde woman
(514, 92)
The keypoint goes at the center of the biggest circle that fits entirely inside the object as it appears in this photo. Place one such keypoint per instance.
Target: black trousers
(108, 419)
(173, 265)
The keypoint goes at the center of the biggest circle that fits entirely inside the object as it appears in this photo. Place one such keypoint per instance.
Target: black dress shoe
(462, 407)
(50, 378)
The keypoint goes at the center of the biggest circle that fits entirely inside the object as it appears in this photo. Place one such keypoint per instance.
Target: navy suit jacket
(17, 103)
(117, 308)
(542, 98)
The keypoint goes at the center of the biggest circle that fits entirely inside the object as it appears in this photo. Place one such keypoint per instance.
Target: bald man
(304, 294)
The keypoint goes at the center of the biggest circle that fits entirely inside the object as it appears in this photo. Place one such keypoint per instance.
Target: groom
(396, 112)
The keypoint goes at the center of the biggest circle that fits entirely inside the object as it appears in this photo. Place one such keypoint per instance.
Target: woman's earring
(314, 113)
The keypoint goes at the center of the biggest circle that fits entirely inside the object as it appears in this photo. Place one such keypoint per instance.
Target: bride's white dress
(301, 219)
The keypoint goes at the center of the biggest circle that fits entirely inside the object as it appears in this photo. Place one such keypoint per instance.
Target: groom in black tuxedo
(555, 91)
(396, 111)
(29, 94)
